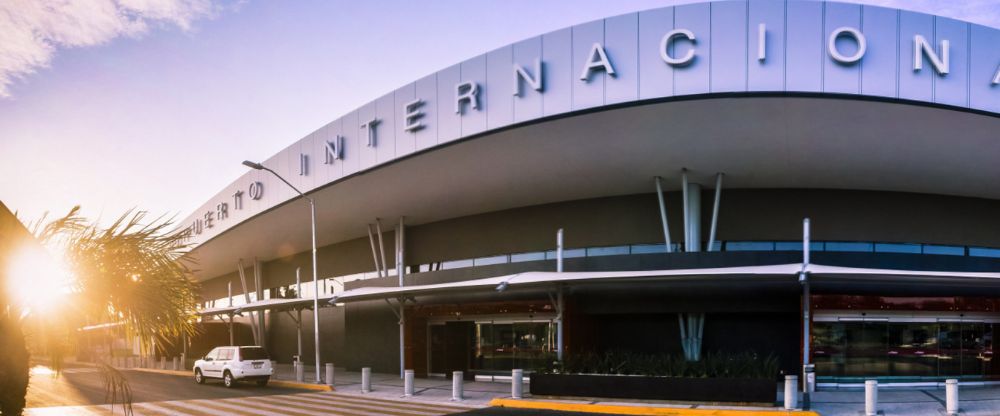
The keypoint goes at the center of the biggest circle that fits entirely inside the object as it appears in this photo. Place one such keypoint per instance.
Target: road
(80, 390)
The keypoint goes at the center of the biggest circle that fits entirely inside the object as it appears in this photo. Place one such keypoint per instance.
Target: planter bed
(743, 390)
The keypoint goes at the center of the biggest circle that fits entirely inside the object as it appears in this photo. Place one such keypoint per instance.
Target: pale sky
(114, 104)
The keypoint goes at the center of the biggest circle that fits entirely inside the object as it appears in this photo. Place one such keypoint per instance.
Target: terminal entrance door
(850, 350)
(490, 347)
(451, 347)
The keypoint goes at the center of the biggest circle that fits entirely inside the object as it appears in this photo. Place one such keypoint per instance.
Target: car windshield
(253, 353)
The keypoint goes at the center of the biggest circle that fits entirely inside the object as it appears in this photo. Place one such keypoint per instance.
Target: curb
(639, 410)
(272, 382)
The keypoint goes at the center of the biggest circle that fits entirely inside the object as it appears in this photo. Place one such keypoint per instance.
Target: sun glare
(38, 280)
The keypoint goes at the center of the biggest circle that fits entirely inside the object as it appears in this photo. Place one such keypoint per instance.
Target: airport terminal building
(679, 150)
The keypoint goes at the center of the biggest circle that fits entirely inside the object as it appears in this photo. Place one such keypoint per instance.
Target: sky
(153, 104)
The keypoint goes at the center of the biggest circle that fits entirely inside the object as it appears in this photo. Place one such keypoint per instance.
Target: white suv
(233, 364)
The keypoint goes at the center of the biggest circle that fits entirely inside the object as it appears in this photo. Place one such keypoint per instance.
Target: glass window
(213, 354)
(253, 353)
(858, 247)
(486, 261)
(567, 254)
(607, 251)
(716, 246)
(519, 257)
(648, 248)
(749, 246)
(944, 250)
(456, 264)
(984, 252)
(897, 248)
(225, 354)
(797, 246)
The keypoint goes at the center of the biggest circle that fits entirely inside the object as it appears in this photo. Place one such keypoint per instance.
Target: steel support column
(663, 215)
(715, 211)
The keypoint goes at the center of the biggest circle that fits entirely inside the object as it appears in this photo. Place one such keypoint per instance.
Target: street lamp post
(312, 212)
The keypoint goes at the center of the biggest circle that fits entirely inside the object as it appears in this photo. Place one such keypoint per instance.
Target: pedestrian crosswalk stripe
(398, 408)
(347, 410)
(302, 404)
(409, 404)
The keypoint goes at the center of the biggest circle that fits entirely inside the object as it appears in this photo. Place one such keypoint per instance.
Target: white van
(232, 364)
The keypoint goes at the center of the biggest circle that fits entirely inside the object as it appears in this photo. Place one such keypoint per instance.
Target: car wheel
(228, 380)
(263, 382)
(198, 378)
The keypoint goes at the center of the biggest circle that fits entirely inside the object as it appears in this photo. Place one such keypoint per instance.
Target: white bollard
(176, 361)
(516, 383)
(408, 383)
(300, 372)
(366, 380)
(791, 392)
(951, 396)
(457, 387)
(184, 361)
(871, 397)
(163, 363)
(329, 373)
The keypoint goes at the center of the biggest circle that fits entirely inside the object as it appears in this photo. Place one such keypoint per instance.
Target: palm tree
(133, 273)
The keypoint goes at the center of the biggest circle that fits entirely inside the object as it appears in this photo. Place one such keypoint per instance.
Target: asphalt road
(84, 385)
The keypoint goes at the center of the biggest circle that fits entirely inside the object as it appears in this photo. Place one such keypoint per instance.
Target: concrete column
(366, 380)
(329, 373)
(408, 383)
(517, 383)
(871, 397)
(457, 388)
(951, 396)
(791, 392)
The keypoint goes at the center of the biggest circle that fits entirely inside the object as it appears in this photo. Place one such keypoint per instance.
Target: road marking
(301, 404)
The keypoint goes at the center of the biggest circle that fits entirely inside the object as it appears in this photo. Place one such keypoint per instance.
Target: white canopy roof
(540, 279)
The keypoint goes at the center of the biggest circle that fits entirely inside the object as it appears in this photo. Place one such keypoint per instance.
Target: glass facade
(502, 346)
(850, 351)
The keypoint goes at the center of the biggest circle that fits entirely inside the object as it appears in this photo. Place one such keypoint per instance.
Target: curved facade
(878, 124)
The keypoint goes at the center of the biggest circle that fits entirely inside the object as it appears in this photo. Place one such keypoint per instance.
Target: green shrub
(712, 365)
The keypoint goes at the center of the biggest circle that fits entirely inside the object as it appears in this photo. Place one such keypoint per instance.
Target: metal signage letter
(303, 164)
(761, 42)
(334, 150)
(922, 47)
(665, 43)
(996, 78)
(859, 38)
(370, 127)
(522, 74)
(222, 211)
(597, 58)
(466, 91)
(412, 115)
(238, 200)
(256, 190)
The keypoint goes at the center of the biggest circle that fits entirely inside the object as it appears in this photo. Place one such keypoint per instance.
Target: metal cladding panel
(385, 138)
(804, 53)
(314, 159)
(449, 122)
(406, 141)
(528, 105)
(844, 78)
(729, 46)
(953, 89)
(426, 90)
(559, 72)
(588, 91)
(368, 153)
(915, 85)
(984, 68)
(657, 78)
(297, 175)
(352, 142)
(500, 78)
(621, 38)
(694, 78)
(472, 120)
(279, 163)
(767, 74)
(880, 64)
(327, 171)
